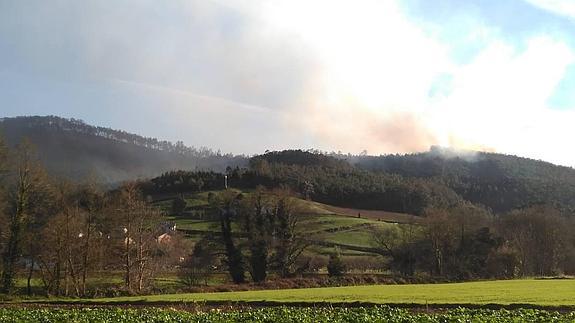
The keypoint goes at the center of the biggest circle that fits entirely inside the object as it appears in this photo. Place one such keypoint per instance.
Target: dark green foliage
(289, 243)
(299, 158)
(335, 265)
(234, 258)
(178, 205)
(258, 226)
(473, 252)
(333, 181)
(499, 182)
(199, 266)
(183, 181)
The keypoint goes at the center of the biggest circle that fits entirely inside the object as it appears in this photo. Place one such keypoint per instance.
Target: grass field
(323, 222)
(544, 292)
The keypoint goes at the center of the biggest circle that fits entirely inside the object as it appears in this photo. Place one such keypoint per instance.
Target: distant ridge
(73, 149)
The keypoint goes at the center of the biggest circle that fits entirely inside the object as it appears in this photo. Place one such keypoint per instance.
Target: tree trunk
(29, 280)
(86, 253)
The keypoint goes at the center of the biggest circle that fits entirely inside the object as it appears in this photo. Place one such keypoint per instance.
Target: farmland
(349, 229)
(283, 314)
(534, 292)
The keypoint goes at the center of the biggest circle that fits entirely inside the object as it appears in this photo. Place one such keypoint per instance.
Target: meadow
(533, 292)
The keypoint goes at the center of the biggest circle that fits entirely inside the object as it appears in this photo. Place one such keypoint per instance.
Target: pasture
(534, 292)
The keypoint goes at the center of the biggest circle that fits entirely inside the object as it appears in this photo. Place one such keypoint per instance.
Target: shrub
(335, 266)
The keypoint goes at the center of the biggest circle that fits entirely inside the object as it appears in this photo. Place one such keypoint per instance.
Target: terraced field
(328, 226)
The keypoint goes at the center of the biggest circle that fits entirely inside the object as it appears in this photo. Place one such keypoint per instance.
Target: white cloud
(559, 7)
(499, 101)
(378, 68)
(344, 75)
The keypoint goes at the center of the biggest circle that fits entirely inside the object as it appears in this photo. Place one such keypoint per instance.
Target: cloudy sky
(340, 75)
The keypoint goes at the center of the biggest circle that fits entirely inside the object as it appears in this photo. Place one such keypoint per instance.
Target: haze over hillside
(246, 76)
(400, 183)
(76, 150)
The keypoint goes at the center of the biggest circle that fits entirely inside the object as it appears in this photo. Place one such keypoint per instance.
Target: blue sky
(245, 76)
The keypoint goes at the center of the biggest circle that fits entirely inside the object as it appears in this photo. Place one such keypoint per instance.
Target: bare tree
(28, 182)
(399, 244)
(441, 232)
(138, 221)
(92, 201)
(540, 236)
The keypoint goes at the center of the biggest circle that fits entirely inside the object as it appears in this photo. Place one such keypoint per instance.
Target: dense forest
(406, 184)
(402, 183)
(76, 150)
(500, 182)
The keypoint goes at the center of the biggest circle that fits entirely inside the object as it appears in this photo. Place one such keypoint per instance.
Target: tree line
(469, 243)
(260, 234)
(64, 233)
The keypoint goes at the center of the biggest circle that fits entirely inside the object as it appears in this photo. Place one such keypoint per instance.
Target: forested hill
(500, 182)
(440, 178)
(74, 149)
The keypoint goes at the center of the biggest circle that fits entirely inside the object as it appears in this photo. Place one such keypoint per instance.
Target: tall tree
(3, 184)
(93, 202)
(257, 219)
(234, 258)
(27, 184)
(289, 241)
(138, 221)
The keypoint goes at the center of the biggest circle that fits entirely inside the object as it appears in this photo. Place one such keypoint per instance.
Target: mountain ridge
(73, 149)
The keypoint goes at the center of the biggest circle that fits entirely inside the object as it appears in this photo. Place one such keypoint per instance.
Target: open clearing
(536, 292)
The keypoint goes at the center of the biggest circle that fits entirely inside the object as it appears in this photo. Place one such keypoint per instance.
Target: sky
(246, 76)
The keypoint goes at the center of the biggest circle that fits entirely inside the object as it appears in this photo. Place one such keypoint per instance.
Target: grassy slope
(536, 292)
(323, 222)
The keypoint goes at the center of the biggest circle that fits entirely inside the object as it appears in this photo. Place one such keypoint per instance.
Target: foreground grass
(529, 291)
(285, 314)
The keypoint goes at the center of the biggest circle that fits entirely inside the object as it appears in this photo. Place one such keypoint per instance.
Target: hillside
(407, 184)
(439, 178)
(73, 149)
(326, 226)
(500, 182)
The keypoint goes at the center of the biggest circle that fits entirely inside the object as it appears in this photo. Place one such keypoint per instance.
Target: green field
(544, 292)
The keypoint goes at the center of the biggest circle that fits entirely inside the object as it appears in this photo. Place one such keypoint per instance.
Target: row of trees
(467, 243)
(260, 233)
(64, 233)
